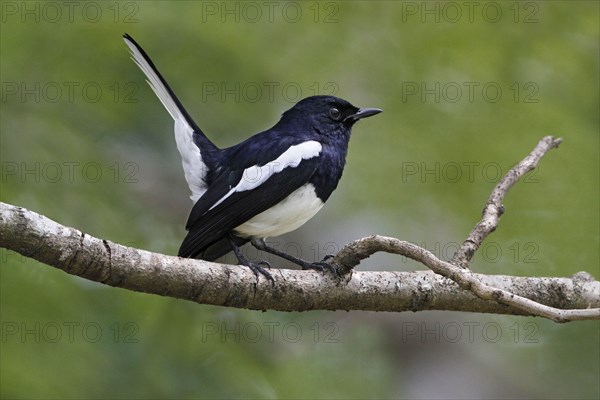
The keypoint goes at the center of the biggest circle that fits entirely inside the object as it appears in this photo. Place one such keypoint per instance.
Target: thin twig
(494, 209)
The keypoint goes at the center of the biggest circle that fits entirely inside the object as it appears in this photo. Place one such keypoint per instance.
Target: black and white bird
(265, 186)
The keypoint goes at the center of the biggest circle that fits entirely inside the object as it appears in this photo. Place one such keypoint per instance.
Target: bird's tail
(198, 153)
(211, 253)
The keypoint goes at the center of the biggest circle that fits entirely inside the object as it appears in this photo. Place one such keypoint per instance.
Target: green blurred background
(468, 89)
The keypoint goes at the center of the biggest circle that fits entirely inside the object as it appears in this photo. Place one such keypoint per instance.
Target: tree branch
(456, 269)
(363, 248)
(77, 253)
(559, 299)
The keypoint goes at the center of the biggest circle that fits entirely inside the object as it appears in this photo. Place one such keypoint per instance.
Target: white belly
(286, 216)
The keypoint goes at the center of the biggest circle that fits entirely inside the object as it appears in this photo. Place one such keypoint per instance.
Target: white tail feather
(194, 168)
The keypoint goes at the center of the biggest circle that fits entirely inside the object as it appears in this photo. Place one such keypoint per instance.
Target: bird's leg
(256, 267)
(319, 266)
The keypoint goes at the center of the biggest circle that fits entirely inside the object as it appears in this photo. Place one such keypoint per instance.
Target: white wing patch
(256, 175)
(193, 167)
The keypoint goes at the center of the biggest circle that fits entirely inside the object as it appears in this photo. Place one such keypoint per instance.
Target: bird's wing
(237, 196)
(193, 145)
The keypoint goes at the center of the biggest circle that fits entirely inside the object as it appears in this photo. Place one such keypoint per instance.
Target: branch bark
(99, 260)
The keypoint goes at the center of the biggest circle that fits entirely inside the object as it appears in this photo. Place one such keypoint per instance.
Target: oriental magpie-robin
(267, 185)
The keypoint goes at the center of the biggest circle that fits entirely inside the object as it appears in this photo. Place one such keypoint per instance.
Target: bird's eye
(335, 114)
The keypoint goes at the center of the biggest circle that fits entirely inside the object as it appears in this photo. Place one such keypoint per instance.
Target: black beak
(362, 113)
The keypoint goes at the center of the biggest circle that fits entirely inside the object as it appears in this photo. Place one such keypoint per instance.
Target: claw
(321, 266)
(257, 268)
(315, 266)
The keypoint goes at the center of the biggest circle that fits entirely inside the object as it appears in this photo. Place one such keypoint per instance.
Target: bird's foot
(322, 265)
(318, 266)
(257, 268)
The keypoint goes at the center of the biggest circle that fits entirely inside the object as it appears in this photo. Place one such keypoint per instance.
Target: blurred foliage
(85, 142)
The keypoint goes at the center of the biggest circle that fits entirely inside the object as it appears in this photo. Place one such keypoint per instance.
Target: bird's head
(327, 115)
